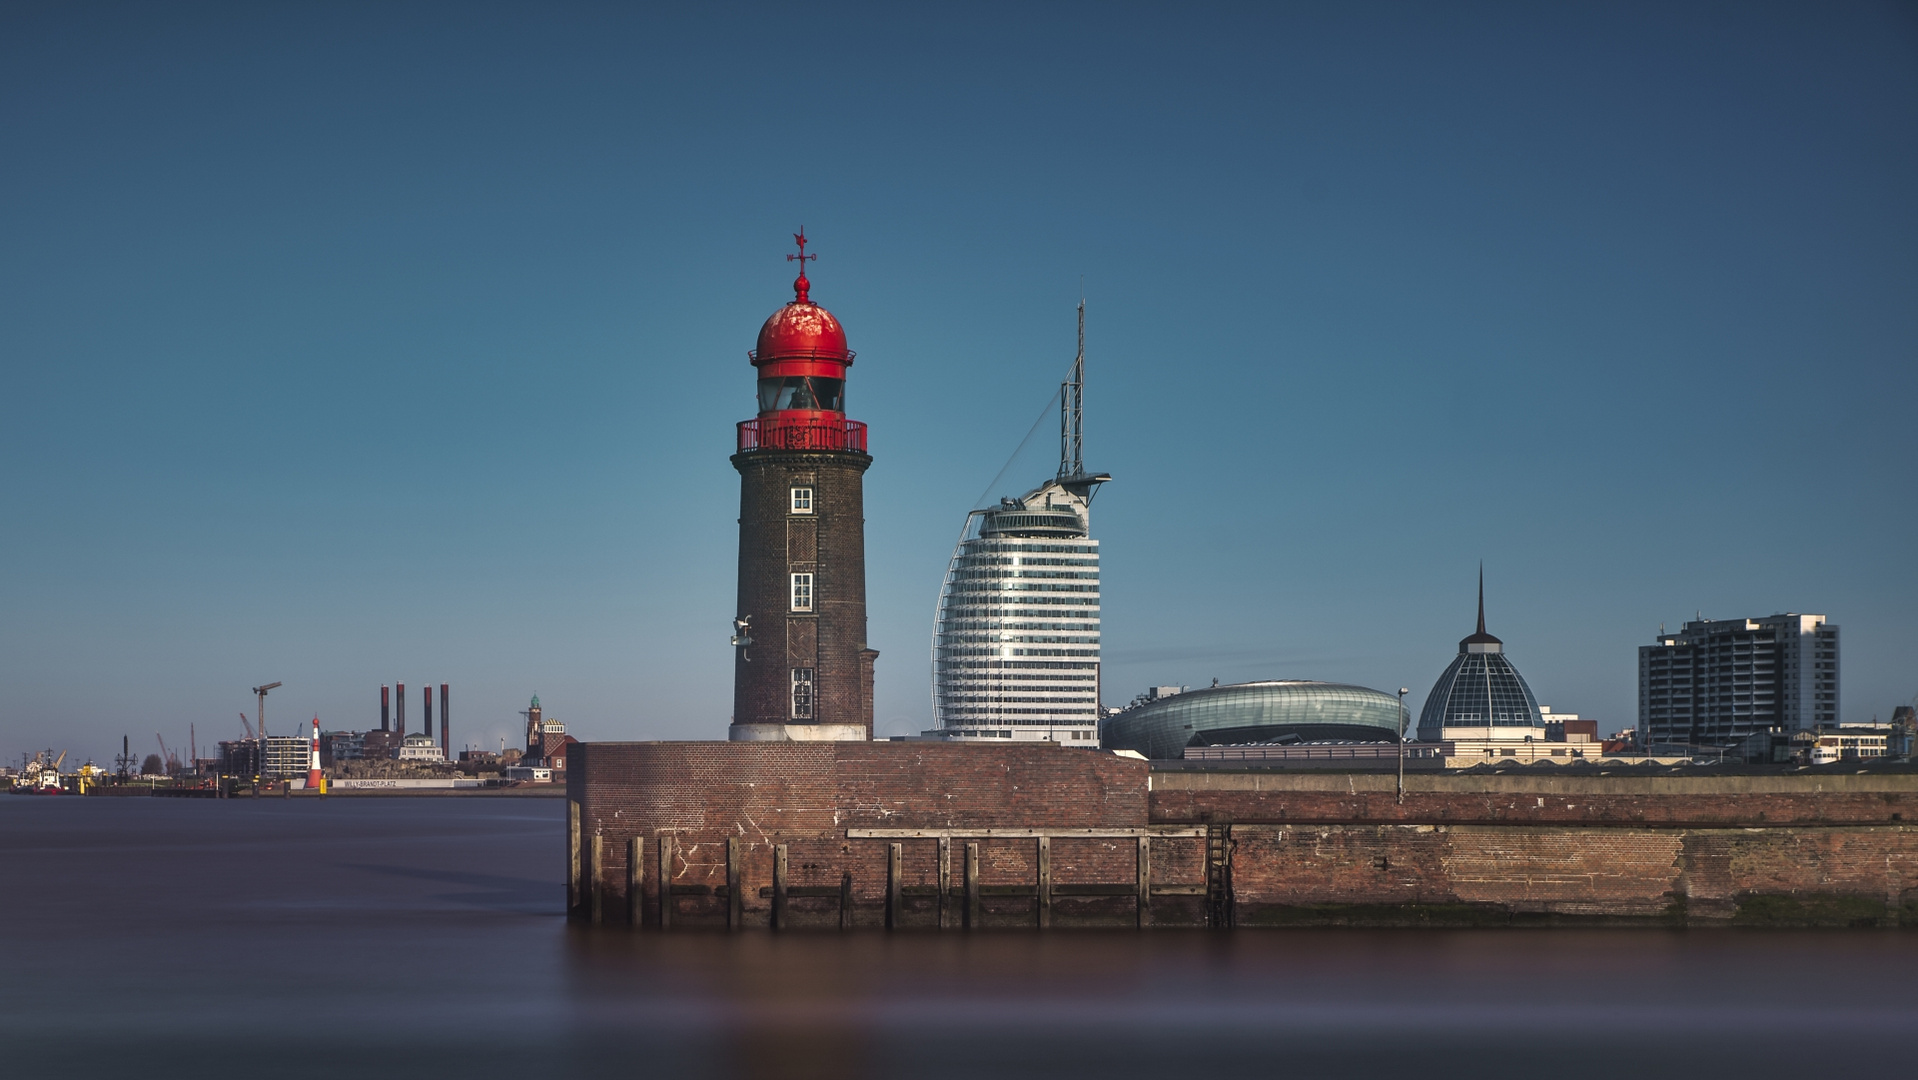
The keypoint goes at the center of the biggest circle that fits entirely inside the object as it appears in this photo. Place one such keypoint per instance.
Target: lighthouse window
(802, 500)
(802, 693)
(802, 592)
(802, 392)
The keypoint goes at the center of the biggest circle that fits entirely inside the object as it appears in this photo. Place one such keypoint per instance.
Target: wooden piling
(945, 879)
(779, 887)
(894, 859)
(1143, 872)
(636, 883)
(972, 886)
(572, 856)
(735, 904)
(666, 882)
(1045, 882)
(597, 880)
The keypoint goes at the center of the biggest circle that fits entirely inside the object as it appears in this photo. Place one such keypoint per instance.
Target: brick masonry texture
(830, 544)
(806, 795)
(1302, 848)
(1221, 796)
(1346, 873)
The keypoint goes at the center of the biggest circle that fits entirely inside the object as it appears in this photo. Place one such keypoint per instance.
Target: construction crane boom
(248, 725)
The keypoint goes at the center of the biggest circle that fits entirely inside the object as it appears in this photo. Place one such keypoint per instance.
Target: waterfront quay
(936, 836)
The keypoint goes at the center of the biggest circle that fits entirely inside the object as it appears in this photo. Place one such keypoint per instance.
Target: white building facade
(1016, 648)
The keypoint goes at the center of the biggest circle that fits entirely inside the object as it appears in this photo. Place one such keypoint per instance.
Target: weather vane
(800, 239)
(801, 286)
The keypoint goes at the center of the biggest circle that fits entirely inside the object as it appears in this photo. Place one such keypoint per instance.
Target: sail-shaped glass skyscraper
(1016, 649)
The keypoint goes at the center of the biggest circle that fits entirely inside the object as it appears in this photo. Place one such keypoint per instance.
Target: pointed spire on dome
(801, 287)
(1481, 596)
(1481, 641)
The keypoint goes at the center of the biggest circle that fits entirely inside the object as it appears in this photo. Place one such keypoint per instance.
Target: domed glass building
(1285, 710)
(1481, 695)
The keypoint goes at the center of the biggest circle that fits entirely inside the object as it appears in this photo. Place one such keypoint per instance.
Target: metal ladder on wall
(1218, 877)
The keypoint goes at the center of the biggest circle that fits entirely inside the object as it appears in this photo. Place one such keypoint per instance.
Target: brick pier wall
(807, 795)
(1196, 796)
(1314, 848)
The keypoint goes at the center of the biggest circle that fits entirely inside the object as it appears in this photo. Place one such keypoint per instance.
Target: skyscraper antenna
(1072, 463)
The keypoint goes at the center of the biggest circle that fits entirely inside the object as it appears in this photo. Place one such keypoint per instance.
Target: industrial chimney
(446, 743)
(386, 722)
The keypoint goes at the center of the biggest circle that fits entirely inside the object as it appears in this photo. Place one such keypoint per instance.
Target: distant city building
(1851, 742)
(240, 757)
(1289, 711)
(1016, 650)
(382, 745)
(338, 746)
(546, 739)
(1481, 697)
(285, 756)
(1718, 682)
(1567, 727)
(420, 747)
(1904, 731)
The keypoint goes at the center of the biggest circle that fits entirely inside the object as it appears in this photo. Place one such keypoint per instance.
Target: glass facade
(1290, 710)
(805, 392)
(1016, 650)
(1481, 689)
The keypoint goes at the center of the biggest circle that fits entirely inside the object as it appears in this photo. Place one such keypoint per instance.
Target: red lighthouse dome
(802, 360)
(802, 330)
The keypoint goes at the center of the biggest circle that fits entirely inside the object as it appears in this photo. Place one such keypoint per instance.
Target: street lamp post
(1402, 726)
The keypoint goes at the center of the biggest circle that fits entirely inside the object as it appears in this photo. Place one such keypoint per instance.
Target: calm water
(422, 937)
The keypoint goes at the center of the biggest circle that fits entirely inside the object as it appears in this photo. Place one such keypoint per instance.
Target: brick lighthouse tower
(801, 668)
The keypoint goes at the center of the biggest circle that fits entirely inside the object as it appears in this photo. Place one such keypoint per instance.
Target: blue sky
(347, 344)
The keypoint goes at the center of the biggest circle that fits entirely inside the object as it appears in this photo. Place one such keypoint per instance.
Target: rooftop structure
(1481, 696)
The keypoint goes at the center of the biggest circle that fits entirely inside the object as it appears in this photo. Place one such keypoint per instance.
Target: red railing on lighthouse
(781, 433)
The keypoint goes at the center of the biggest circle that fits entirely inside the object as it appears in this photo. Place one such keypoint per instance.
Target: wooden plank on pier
(572, 856)
(894, 860)
(598, 881)
(780, 888)
(666, 882)
(972, 886)
(1020, 834)
(945, 878)
(636, 882)
(1142, 873)
(1045, 882)
(735, 910)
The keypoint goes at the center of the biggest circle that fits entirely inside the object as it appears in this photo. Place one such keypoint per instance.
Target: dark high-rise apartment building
(1718, 681)
(801, 668)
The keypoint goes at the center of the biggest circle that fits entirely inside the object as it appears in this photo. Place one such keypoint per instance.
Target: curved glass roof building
(1290, 710)
(1481, 695)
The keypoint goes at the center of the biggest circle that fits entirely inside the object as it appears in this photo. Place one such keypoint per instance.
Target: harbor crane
(260, 715)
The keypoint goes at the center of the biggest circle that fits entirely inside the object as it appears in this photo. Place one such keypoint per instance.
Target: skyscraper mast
(1072, 461)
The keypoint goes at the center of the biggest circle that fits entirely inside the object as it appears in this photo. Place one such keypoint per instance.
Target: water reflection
(421, 937)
